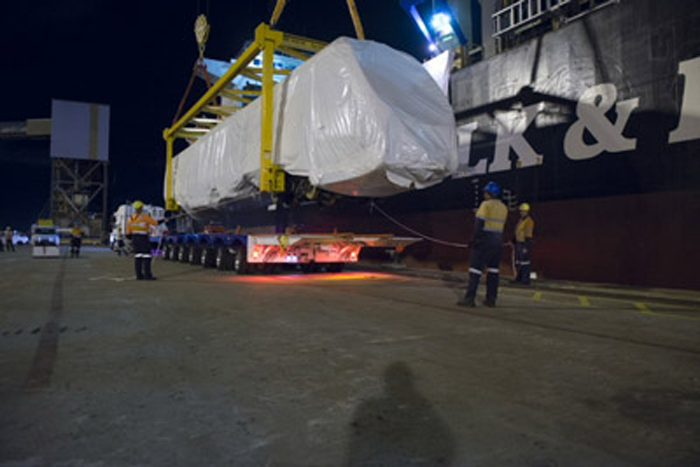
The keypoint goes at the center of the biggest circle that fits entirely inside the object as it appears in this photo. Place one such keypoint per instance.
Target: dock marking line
(390, 340)
(643, 308)
(109, 278)
(481, 314)
(649, 303)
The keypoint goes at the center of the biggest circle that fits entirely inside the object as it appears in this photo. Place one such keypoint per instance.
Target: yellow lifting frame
(271, 176)
(266, 41)
(170, 203)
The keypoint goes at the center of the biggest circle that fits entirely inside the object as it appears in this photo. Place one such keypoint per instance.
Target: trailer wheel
(208, 258)
(183, 254)
(309, 268)
(223, 259)
(240, 261)
(195, 255)
(335, 267)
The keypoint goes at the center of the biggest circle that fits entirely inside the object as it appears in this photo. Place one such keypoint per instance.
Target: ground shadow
(455, 284)
(399, 428)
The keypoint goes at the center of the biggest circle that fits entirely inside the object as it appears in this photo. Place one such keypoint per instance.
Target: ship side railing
(518, 15)
(521, 12)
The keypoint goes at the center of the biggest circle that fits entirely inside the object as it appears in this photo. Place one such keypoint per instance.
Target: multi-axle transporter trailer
(245, 253)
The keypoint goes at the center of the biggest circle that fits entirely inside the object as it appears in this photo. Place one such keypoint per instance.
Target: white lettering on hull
(464, 150)
(689, 125)
(591, 110)
(511, 135)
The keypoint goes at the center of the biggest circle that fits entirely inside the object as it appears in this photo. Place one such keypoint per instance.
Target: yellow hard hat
(138, 205)
(524, 207)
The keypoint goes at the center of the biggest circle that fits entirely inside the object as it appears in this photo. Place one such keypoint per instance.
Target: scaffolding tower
(79, 194)
(79, 166)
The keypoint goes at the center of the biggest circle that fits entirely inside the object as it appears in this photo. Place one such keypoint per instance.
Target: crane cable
(201, 33)
(374, 205)
(279, 8)
(352, 8)
(356, 22)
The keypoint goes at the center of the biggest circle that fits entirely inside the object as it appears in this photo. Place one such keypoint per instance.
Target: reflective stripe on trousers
(486, 254)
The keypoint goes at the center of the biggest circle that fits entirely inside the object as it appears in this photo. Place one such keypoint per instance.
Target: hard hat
(493, 188)
(525, 207)
(138, 205)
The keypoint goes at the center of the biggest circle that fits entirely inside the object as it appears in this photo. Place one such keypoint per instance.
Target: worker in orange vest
(138, 229)
(523, 245)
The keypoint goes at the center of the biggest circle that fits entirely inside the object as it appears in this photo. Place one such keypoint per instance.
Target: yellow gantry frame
(192, 125)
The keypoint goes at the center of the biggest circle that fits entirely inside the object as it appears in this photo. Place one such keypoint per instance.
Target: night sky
(137, 56)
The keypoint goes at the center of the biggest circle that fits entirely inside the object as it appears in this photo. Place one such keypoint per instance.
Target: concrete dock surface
(356, 368)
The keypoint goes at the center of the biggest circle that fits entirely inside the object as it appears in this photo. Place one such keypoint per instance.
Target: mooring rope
(415, 232)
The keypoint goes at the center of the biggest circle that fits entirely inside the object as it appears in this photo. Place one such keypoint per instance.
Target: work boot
(138, 267)
(150, 278)
(490, 303)
(146, 265)
(467, 302)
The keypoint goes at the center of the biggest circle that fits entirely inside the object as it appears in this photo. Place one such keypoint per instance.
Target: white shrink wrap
(358, 119)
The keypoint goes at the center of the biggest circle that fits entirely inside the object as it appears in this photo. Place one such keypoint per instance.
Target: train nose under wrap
(358, 119)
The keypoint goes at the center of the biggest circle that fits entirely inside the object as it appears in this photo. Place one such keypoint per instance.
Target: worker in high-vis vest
(486, 244)
(523, 245)
(138, 229)
(76, 241)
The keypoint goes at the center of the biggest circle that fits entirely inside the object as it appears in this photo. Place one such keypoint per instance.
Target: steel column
(170, 203)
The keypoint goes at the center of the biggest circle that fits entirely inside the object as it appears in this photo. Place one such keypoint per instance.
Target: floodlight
(437, 22)
(442, 24)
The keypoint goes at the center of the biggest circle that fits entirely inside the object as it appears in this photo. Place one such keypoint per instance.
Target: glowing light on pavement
(309, 278)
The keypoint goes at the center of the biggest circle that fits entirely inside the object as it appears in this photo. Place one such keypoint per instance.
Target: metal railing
(521, 12)
(206, 114)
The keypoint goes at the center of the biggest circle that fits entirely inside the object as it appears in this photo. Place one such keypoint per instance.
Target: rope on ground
(415, 232)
